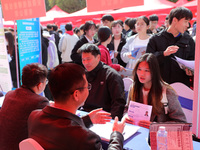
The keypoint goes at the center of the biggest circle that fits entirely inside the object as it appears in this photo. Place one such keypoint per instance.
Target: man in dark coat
(172, 42)
(18, 105)
(108, 86)
(57, 127)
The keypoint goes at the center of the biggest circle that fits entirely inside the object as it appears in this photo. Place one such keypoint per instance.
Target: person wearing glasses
(19, 103)
(58, 127)
(107, 85)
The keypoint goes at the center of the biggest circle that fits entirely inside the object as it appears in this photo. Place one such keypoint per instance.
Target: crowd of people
(81, 70)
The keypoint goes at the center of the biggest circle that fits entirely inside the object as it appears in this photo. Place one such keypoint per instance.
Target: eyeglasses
(47, 81)
(89, 87)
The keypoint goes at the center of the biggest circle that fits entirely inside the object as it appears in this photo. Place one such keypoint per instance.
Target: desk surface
(139, 141)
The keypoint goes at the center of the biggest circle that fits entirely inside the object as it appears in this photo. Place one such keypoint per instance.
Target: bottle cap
(162, 128)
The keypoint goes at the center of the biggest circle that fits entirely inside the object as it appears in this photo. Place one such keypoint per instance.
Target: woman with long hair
(117, 42)
(136, 44)
(149, 88)
(11, 56)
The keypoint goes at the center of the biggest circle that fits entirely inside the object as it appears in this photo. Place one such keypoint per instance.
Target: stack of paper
(105, 130)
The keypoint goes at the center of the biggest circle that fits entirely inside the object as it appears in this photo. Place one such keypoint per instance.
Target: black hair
(74, 30)
(132, 23)
(153, 17)
(49, 26)
(10, 38)
(68, 26)
(55, 27)
(127, 21)
(88, 25)
(33, 74)
(179, 13)
(89, 48)
(107, 17)
(122, 23)
(114, 23)
(146, 20)
(77, 30)
(65, 79)
(82, 27)
(60, 31)
(104, 33)
(155, 93)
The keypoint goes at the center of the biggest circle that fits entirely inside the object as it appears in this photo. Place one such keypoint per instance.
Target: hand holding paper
(189, 64)
(141, 123)
(140, 113)
(144, 123)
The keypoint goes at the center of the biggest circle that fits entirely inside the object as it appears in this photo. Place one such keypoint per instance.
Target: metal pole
(16, 55)
(196, 101)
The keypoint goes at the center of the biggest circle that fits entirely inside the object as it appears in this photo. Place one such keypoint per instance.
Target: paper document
(112, 52)
(138, 52)
(105, 130)
(138, 111)
(134, 52)
(185, 63)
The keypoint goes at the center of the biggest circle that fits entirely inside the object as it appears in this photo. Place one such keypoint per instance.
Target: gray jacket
(174, 112)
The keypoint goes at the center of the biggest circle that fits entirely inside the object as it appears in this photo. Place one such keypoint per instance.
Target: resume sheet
(139, 111)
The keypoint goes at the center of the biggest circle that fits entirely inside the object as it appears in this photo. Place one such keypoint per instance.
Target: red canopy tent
(81, 16)
(159, 7)
(193, 7)
(55, 12)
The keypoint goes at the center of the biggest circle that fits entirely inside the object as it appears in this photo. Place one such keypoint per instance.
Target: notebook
(179, 136)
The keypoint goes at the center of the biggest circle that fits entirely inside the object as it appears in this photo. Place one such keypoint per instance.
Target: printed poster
(5, 75)
(29, 42)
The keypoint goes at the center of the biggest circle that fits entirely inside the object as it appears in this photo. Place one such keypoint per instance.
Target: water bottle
(162, 138)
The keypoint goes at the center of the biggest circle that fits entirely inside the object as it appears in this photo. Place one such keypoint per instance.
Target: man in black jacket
(172, 42)
(57, 127)
(107, 85)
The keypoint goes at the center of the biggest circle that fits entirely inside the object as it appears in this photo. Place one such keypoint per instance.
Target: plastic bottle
(162, 138)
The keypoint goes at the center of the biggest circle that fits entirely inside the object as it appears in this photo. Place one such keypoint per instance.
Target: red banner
(23, 9)
(93, 5)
